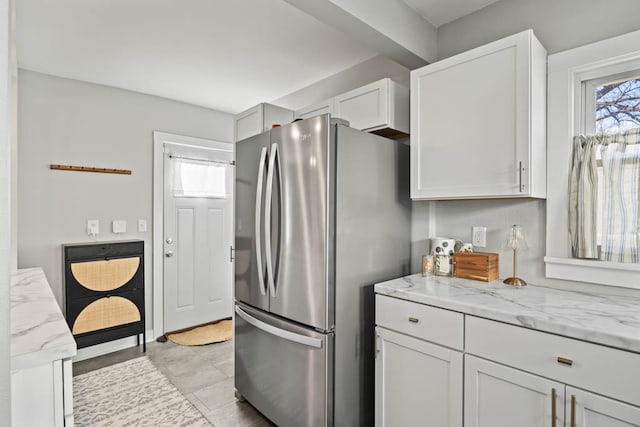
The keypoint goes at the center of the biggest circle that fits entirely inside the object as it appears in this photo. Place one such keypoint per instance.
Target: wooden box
(476, 266)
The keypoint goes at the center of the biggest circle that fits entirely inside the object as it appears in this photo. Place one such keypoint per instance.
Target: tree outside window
(618, 106)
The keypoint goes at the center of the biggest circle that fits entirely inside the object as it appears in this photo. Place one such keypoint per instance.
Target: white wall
(6, 49)
(559, 26)
(65, 121)
(364, 73)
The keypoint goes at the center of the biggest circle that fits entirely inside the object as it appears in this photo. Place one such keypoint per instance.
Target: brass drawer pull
(413, 320)
(573, 410)
(565, 361)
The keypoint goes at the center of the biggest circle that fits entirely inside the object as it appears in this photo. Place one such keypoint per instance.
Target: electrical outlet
(479, 237)
(142, 225)
(93, 227)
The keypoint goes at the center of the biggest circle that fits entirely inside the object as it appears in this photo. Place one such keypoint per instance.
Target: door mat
(131, 393)
(206, 334)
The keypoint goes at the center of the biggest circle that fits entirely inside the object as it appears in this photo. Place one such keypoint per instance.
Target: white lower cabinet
(498, 391)
(592, 410)
(499, 396)
(430, 360)
(418, 365)
(417, 383)
(42, 395)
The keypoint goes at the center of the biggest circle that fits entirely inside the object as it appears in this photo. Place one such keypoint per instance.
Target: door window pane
(194, 178)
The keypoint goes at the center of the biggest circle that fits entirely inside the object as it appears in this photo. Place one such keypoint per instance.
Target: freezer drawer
(284, 370)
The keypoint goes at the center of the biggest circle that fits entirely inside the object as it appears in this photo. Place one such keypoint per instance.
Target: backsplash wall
(455, 219)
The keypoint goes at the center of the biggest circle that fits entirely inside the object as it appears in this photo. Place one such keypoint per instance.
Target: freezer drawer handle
(290, 336)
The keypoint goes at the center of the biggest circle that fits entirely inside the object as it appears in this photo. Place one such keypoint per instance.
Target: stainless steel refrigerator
(322, 213)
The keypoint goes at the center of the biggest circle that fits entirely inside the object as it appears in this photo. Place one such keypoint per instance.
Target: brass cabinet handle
(413, 320)
(565, 361)
(573, 410)
(553, 407)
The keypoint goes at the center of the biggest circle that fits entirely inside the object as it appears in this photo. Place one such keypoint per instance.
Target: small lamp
(515, 240)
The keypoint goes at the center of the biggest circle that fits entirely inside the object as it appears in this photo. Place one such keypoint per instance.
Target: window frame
(565, 111)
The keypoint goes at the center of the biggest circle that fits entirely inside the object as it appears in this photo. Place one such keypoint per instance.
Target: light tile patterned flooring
(204, 375)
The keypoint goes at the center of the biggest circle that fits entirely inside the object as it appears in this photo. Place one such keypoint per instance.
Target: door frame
(159, 138)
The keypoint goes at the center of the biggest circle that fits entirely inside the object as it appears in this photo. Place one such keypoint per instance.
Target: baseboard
(109, 347)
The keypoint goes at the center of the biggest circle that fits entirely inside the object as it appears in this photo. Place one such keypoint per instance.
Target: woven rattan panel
(105, 275)
(105, 313)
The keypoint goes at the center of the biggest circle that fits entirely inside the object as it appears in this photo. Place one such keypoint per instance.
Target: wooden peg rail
(90, 169)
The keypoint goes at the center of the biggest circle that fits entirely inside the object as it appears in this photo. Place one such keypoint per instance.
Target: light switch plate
(142, 225)
(93, 227)
(119, 226)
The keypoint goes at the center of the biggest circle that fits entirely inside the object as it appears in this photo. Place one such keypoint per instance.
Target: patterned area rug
(132, 393)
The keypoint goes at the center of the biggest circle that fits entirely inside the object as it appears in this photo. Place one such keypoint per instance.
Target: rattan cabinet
(104, 291)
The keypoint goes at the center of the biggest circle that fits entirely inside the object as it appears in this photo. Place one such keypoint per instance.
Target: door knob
(169, 240)
(168, 254)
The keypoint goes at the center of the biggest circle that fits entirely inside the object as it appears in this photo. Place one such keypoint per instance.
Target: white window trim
(566, 72)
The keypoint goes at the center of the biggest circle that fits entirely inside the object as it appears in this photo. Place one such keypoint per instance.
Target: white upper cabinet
(323, 107)
(381, 107)
(258, 119)
(478, 123)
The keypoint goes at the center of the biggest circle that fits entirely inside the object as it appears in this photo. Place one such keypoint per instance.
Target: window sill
(600, 272)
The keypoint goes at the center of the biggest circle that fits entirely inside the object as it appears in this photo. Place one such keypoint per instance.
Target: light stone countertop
(603, 319)
(39, 331)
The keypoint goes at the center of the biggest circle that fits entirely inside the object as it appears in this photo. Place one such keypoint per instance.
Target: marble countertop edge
(38, 331)
(601, 319)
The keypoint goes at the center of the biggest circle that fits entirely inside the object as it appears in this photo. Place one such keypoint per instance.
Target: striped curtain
(604, 191)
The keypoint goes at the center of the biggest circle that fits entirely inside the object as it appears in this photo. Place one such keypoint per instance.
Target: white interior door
(198, 234)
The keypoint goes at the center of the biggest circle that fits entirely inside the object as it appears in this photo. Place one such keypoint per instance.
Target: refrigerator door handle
(263, 158)
(267, 218)
(289, 336)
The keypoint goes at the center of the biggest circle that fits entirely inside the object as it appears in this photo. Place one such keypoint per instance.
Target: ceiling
(225, 54)
(440, 12)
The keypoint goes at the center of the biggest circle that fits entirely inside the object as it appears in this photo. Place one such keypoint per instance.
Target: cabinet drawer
(433, 324)
(593, 367)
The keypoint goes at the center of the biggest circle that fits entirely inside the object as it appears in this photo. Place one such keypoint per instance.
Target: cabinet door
(417, 383)
(249, 122)
(37, 396)
(498, 396)
(324, 107)
(471, 123)
(366, 107)
(591, 410)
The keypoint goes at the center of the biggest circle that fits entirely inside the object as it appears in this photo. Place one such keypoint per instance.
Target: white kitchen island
(41, 350)
(487, 354)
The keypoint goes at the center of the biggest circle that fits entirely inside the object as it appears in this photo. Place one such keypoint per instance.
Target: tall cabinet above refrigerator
(322, 213)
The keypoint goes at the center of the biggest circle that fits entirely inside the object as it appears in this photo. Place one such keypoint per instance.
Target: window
(612, 104)
(199, 178)
(595, 90)
(605, 171)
